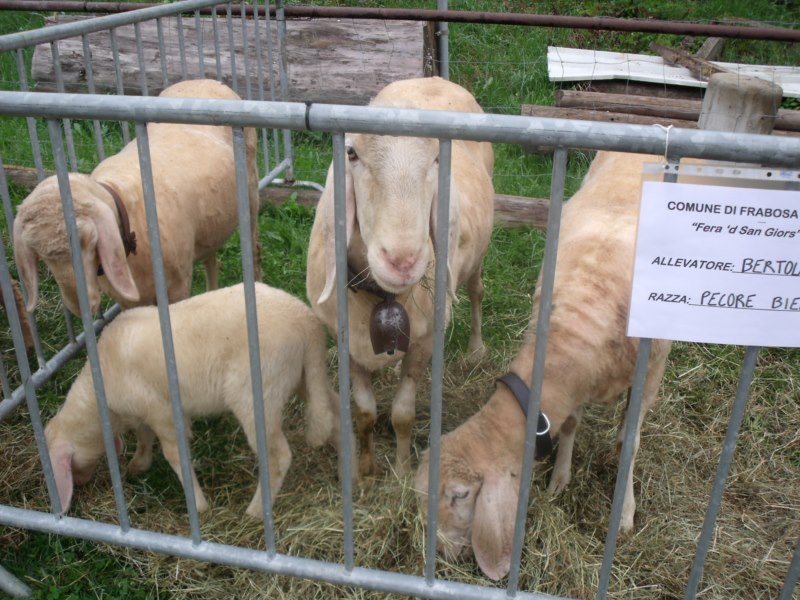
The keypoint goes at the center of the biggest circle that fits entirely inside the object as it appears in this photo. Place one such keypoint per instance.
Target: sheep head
(476, 509)
(40, 234)
(394, 182)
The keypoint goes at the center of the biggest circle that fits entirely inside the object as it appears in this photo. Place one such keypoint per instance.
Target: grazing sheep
(391, 191)
(194, 178)
(589, 359)
(211, 353)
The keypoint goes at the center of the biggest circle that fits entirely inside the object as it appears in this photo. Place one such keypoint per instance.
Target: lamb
(391, 192)
(211, 353)
(194, 178)
(589, 359)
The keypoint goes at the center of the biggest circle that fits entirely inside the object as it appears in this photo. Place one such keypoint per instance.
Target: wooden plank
(787, 120)
(699, 67)
(572, 64)
(711, 48)
(508, 210)
(343, 61)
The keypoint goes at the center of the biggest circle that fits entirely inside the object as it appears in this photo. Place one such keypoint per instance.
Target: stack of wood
(649, 103)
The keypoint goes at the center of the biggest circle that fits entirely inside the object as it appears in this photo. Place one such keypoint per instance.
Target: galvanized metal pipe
(458, 16)
(713, 145)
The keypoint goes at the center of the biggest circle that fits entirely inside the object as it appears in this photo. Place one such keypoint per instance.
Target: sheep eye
(459, 496)
(351, 153)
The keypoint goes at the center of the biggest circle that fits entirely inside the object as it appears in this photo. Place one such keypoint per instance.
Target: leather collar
(363, 281)
(544, 443)
(128, 236)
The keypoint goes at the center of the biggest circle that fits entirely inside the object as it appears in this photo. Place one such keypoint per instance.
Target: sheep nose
(402, 261)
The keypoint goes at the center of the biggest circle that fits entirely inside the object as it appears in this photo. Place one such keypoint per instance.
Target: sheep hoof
(367, 465)
(138, 465)
(558, 482)
(475, 353)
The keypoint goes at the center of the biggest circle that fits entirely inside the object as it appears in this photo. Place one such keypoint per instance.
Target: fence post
(740, 104)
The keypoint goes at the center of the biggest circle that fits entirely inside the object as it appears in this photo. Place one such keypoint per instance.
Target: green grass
(504, 67)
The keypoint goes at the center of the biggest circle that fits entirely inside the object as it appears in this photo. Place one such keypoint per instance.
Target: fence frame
(443, 125)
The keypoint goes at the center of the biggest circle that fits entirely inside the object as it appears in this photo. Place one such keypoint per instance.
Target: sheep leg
(143, 457)
(366, 414)
(562, 470)
(649, 397)
(476, 348)
(403, 405)
(212, 273)
(169, 446)
(279, 459)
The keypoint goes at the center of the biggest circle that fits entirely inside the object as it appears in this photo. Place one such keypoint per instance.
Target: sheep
(194, 179)
(391, 192)
(211, 353)
(589, 359)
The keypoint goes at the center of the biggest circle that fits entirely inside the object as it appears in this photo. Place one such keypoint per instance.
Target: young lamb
(194, 176)
(589, 359)
(391, 191)
(211, 352)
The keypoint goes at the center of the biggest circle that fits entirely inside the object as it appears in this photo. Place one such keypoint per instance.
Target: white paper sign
(717, 264)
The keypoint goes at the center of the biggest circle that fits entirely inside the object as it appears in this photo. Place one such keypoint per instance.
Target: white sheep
(391, 192)
(211, 353)
(194, 177)
(589, 359)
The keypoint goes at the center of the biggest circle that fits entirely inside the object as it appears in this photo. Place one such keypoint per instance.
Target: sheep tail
(320, 417)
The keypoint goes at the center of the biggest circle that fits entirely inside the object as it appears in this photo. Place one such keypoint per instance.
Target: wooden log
(699, 68)
(555, 112)
(689, 110)
(638, 88)
(508, 210)
(344, 61)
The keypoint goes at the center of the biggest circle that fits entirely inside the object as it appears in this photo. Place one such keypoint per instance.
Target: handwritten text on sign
(717, 264)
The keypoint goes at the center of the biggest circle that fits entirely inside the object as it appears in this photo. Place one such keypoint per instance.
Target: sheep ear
(112, 253)
(493, 525)
(452, 236)
(330, 238)
(27, 265)
(61, 461)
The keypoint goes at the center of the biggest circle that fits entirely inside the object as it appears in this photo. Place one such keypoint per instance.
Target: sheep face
(476, 510)
(392, 185)
(40, 234)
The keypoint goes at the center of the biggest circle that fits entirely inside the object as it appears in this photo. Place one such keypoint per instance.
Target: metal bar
(126, 136)
(792, 576)
(162, 53)
(87, 63)
(442, 42)
(140, 56)
(713, 145)
(243, 203)
(245, 55)
(13, 586)
(51, 367)
(284, 82)
(343, 339)
(232, 50)
(625, 464)
(540, 352)
(458, 16)
(201, 58)
(272, 175)
(271, 77)
(217, 53)
(86, 317)
(181, 46)
(73, 161)
(728, 447)
(159, 279)
(44, 35)
(260, 83)
(437, 364)
(175, 545)
(32, 133)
